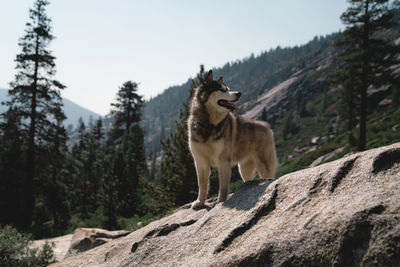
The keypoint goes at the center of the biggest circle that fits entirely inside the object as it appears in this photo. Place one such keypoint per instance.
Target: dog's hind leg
(266, 164)
(265, 172)
(203, 173)
(224, 175)
(246, 169)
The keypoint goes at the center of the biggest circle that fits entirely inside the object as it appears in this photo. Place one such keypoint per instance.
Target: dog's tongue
(226, 103)
(232, 105)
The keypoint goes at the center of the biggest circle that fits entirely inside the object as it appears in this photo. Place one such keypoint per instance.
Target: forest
(140, 167)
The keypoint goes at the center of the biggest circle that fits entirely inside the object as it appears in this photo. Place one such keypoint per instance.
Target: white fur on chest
(210, 150)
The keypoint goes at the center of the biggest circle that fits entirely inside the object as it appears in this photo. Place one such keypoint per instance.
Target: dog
(220, 138)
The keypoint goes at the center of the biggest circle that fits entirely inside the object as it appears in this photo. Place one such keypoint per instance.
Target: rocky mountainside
(288, 87)
(255, 77)
(343, 213)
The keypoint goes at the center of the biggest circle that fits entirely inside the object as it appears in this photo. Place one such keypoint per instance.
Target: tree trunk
(351, 109)
(364, 85)
(31, 153)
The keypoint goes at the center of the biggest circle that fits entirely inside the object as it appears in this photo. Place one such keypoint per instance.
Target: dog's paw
(198, 205)
(221, 199)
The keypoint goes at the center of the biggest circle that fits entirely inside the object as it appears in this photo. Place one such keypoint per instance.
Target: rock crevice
(263, 210)
(341, 173)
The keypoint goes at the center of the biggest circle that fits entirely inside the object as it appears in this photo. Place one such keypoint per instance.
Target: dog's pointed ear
(220, 80)
(209, 77)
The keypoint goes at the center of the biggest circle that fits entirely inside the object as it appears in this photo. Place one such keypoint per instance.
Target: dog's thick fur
(220, 138)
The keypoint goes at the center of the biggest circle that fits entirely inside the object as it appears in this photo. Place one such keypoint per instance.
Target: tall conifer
(35, 99)
(367, 56)
(126, 143)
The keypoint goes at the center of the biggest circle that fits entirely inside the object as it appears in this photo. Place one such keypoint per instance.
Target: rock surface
(342, 213)
(326, 157)
(61, 245)
(87, 238)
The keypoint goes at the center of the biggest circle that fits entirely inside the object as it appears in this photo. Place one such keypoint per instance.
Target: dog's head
(216, 95)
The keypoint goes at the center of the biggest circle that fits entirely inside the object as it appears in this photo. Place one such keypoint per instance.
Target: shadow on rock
(247, 196)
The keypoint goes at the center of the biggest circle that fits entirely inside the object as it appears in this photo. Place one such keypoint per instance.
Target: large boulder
(343, 213)
(87, 238)
(83, 239)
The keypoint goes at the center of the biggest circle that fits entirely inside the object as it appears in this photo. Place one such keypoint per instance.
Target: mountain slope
(288, 87)
(254, 77)
(72, 110)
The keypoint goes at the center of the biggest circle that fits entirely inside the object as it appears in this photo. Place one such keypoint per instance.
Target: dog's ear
(209, 77)
(220, 80)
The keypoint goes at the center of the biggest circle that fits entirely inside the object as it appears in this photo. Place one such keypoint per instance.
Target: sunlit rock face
(343, 213)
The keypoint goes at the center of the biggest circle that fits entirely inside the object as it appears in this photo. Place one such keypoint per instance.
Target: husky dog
(220, 138)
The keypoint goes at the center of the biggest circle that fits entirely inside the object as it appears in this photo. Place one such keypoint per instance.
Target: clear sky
(100, 44)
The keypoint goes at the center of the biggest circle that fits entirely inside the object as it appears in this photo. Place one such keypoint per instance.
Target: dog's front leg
(224, 175)
(203, 173)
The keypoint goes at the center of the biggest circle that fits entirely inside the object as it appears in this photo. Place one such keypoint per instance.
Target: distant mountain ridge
(72, 110)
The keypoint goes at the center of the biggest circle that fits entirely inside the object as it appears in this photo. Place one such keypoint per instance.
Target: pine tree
(92, 175)
(264, 115)
(126, 145)
(35, 99)
(98, 130)
(125, 170)
(82, 134)
(88, 170)
(53, 180)
(367, 56)
(12, 172)
(109, 197)
(126, 110)
(349, 101)
(177, 166)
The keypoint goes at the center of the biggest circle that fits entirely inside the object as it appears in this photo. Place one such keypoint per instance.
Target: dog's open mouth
(227, 104)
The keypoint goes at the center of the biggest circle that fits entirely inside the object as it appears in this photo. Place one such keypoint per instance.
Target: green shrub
(15, 250)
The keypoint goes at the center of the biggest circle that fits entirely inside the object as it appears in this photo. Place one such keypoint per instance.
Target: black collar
(198, 124)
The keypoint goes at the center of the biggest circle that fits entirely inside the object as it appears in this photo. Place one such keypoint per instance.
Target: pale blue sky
(158, 43)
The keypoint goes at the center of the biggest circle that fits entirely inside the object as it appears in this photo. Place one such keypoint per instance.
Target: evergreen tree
(88, 168)
(349, 102)
(291, 125)
(12, 172)
(264, 115)
(367, 57)
(109, 197)
(177, 166)
(53, 181)
(36, 101)
(125, 171)
(98, 131)
(126, 110)
(82, 134)
(126, 145)
(92, 175)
